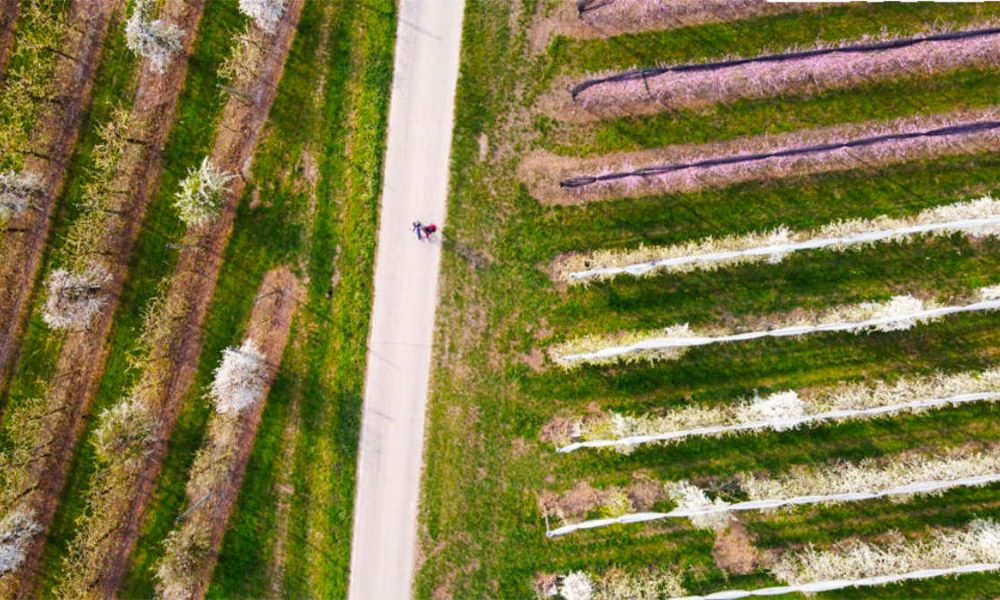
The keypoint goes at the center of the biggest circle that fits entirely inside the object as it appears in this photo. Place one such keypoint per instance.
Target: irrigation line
(921, 487)
(839, 584)
(787, 423)
(962, 129)
(780, 249)
(647, 72)
(661, 343)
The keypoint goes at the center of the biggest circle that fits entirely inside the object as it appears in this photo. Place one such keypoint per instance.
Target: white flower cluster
(124, 433)
(978, 544)
(16, 192)
(873, 475)
(155, 39)
(619, 585)
(899, 313)
(239, 379)
(16, 529)
(200, 196)
(976, 218)
(787, 409)
(265, 13)
(690, 497)
(74, 298)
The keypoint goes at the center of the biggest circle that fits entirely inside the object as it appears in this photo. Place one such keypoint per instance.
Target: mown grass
(152, 259)
(482, 531)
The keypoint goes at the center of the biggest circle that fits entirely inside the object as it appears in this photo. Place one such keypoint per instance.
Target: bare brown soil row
(800, 76)
(53, 141)
(100, 558)
(8, 18)
(84, 352)
(618, 17)
(543, 172)
(217, 473)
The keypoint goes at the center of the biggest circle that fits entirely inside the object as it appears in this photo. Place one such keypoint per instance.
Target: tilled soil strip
(193, 286)
(647, 91)
(84, 352)
(230, 438)
(605, 18)
(9, 10)
(55, 138)
(674, 169)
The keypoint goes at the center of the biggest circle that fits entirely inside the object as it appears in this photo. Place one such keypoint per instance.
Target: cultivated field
(719, 304)
(184, 313)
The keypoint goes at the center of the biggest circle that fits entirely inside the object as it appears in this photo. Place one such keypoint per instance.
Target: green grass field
(482, 531)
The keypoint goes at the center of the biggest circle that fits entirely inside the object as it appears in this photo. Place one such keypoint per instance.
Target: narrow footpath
(421, 115)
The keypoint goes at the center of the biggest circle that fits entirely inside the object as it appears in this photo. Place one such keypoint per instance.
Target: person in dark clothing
(418, 227)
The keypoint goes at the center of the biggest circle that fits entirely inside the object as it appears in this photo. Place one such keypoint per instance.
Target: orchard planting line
(131, 437)
(595, 19)
(899, 313)
(872, 145)
(974, 549)
(242, 382)
(37, 166)
(977, 218)
(799, 72)
(613, 17)
(784, 410)
(900, 475)
(83, 296)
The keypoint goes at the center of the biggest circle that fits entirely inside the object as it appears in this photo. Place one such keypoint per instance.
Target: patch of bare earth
(734, 551)
(52, 141)
(617, 17)
(230, 438)
(542, 172)
(84, 352)
(697, 89)
(192, 287)
(9, 10)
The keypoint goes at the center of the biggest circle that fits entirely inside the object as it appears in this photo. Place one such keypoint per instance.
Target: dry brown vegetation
(8, 18)
(52, 143)
(171, 341)
(217, 472)
(631, 16)
(543, 172)
(105, 238)
(802, 76)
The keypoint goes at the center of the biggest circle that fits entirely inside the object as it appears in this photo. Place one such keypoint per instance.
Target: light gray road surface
(421, 115)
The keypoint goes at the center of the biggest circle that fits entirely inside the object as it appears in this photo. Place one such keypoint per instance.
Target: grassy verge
(482, 532)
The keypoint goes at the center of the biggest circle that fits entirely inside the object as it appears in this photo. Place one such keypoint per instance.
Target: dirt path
(421, 116)
(9, 10)
(82, 357)
(229, 440)
(55, 137)
(199, 265)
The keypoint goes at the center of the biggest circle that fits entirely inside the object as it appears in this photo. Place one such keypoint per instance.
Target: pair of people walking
(424, 232)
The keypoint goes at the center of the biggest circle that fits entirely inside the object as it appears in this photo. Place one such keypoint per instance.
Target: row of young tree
(78, 289)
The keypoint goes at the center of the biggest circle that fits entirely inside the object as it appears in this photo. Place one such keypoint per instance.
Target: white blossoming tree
(576, 586)
(153, 39)
(124, 433)
(200, 196)
(15, 531)
(239, 379)
(74, 298)
(689, 497)
(265, 13)
(16, 193)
